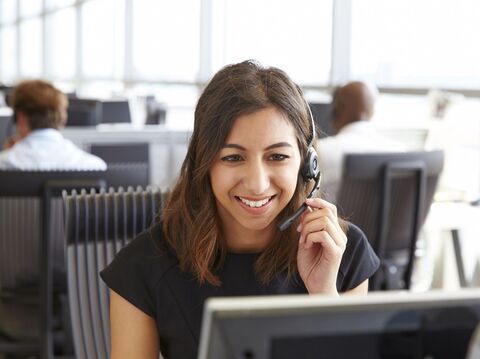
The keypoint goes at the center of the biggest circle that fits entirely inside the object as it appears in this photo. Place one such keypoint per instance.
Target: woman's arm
(134, 333)
(361, 289)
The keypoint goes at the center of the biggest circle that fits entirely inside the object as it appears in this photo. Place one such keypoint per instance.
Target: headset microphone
(310, 171)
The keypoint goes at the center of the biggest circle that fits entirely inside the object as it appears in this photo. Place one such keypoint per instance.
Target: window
(30, 7)
(31, 48)
(292, 35)
(61, 44)
(8, 53)
(166, 39)
(8, 11)
(416, 43)
(52, 4)
(102, 51)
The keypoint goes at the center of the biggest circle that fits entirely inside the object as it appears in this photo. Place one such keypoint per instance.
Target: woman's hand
(320, 248)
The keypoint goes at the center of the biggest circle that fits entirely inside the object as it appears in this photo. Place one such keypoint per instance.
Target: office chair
(388, 195)
(98, 225)
(32, 245)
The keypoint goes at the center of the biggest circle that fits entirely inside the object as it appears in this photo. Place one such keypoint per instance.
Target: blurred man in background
(352, 109)
(40, 111)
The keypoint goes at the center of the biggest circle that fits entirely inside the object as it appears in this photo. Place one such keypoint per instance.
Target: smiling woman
(254, 178)
(218, 235)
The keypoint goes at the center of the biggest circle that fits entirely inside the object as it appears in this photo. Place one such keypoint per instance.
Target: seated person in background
(40, 111)
(352, 109)
(219, 236)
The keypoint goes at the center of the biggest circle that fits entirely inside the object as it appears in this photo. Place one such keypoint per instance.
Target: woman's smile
(255, 206)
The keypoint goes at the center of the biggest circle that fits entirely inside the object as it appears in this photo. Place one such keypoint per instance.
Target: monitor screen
(380, 325)
(83, 112)
(116, 111)
(322, 116)
(6, 124)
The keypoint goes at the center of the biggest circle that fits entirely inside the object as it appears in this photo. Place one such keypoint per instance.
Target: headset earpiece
(309, 171)
(310, 165)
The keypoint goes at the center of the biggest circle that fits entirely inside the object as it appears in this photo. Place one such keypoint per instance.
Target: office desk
(167, 146)
(452, 244)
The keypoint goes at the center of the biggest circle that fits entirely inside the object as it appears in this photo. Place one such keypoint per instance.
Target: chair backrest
(31, 228)
(388, 195)
(21, 210)
(98, 225)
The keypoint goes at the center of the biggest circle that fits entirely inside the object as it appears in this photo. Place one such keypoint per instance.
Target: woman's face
(255, 173)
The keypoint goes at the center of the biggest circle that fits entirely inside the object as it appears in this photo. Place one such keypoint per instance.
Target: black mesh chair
(98, 225)
(32, 245)
(388, 195)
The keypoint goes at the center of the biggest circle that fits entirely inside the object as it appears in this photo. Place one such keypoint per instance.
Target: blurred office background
(134, 69)
(421, 56)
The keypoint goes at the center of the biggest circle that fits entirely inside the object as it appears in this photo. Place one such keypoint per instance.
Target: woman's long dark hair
(190, 219)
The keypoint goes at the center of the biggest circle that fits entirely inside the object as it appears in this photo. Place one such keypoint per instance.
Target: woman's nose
(257, 178)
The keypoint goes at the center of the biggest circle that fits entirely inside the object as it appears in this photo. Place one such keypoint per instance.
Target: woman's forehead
(267, 124)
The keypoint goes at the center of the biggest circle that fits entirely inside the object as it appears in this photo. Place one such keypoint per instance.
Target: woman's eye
(278, 157)
(232, 158)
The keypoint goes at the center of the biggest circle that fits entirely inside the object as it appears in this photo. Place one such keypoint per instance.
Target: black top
(146, 273)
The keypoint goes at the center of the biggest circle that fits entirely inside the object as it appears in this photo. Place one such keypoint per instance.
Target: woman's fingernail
(299, 228)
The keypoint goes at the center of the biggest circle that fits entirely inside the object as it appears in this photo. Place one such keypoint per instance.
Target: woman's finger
(325, 224)
(319, 213)
(321, 203)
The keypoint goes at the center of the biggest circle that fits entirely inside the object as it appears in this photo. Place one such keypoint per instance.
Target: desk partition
(167, 147)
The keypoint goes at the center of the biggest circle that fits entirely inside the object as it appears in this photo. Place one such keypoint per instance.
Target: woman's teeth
(255, 204)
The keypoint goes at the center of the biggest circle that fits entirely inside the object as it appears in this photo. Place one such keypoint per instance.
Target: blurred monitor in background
(115, 111)
(6, 124)
(5, 94)
(84, 112)
(156, 112)
(322, 115)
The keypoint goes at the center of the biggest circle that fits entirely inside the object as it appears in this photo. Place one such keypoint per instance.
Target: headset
(309, 171)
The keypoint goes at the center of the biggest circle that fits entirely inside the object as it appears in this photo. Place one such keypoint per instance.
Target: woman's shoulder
(354, 233)
(359, 260)
(147, 254)
(358, 243)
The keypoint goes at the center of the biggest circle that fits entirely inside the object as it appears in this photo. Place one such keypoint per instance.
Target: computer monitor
(6, 124)
(115, 111)
(380, 325)
(322, 116)
(83, 112)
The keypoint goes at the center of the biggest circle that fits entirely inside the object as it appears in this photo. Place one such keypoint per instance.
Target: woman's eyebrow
(275, 145)
(234, 145)
(280, 144)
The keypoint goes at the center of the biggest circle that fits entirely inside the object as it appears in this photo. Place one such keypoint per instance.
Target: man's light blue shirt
(46, 149)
